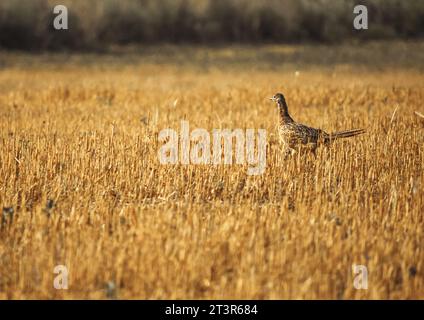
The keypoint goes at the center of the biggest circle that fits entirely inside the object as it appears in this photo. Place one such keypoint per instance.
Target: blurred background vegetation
(99, 24)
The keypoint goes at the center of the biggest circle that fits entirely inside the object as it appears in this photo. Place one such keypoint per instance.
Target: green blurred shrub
(97, 24)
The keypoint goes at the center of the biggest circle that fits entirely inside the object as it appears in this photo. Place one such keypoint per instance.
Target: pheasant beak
(272, 99)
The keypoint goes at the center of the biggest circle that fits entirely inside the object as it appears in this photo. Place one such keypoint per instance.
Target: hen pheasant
(294, 135)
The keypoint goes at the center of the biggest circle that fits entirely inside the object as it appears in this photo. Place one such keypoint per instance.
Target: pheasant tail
(345, 134)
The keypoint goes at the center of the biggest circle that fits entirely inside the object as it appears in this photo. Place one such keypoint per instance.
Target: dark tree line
(97, 24)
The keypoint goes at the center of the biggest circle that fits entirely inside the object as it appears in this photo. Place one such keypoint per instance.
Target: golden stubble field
(79, 167)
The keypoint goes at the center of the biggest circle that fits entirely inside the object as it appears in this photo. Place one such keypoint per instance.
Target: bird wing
(295, 133)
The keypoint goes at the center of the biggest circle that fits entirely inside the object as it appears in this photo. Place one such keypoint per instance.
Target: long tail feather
(345, 134)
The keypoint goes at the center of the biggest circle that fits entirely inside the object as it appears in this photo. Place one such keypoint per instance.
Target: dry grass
(84, 136)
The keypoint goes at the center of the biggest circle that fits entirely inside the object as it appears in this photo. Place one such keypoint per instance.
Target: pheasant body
(293, 135)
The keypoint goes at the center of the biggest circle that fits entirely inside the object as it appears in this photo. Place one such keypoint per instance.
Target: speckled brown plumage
(295, 135)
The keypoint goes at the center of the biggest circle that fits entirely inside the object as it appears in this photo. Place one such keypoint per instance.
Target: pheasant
(294, 135)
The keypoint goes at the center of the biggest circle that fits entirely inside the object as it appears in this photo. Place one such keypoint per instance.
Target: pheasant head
(282, 106)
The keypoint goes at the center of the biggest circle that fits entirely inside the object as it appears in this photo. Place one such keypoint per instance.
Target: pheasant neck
(284, 112)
